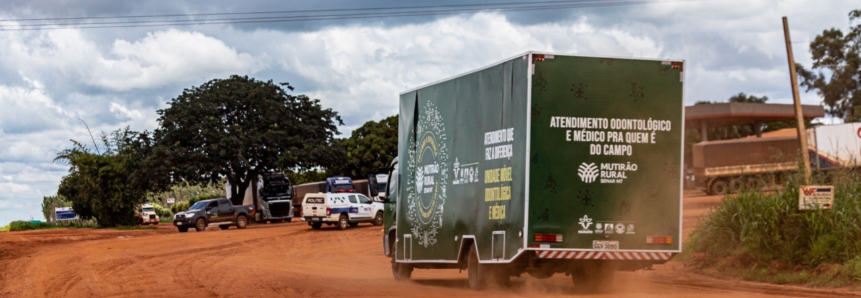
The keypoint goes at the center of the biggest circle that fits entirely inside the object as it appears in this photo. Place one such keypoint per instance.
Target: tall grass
(768, 225)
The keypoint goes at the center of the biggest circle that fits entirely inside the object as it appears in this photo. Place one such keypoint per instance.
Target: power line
(154, 23)
(297, 11)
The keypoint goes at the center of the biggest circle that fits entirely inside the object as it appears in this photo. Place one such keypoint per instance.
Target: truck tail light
(659, 240)
(548, 237)
(328, 211)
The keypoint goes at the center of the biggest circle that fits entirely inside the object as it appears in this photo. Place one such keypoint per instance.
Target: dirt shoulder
(291, 260)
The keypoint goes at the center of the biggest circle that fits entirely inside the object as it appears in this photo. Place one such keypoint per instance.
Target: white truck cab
(341, 209)
(146, 215)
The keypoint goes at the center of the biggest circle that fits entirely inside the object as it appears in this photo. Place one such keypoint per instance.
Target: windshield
(150, 209)
(381, 187)
(198, 206)
(277, 191)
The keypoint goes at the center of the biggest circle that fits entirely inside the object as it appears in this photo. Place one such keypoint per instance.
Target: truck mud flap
(604, 255)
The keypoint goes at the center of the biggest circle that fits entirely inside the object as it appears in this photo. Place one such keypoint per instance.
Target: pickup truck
(217, 212)
(342, 209)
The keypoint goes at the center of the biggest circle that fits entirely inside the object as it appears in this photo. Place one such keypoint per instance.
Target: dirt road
(291, 260)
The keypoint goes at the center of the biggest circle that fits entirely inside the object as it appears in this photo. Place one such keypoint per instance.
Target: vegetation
(182, 206)
(108, 183)
(836, 65)
(51, 202)
(757, 231)
(370, 148)
(238, 128)
(22, 225)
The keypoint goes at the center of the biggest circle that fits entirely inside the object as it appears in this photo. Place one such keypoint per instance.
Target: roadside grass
(27, 226)
(762, 236)
(4, 228)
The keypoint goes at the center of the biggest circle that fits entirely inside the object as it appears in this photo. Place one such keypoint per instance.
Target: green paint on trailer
(465, 174)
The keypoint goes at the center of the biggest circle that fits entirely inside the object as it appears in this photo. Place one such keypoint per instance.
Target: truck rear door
(314, 206)
(605, 167)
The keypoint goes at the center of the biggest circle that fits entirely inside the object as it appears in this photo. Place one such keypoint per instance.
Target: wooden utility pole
(799, 115)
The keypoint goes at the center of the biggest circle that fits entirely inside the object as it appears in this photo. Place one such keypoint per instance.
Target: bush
(21, 225)
(179, 207)
(769, 226)
(161, 211)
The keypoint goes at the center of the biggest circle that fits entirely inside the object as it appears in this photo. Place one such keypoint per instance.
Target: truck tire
(736, 185)
(400, 271)
(475, 271)
(182, 229)
(288, 220)
(316, 225)
(200, 225)
(719, 187)
(592, 277)
(343, 222)
(224, 227)
(378, 220)
(241, 221)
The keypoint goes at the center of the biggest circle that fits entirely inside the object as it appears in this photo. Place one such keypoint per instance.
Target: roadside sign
(170, 201)
(812, 197)
(65, 213)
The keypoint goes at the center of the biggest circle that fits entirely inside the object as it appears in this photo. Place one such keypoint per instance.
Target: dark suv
(217, 212)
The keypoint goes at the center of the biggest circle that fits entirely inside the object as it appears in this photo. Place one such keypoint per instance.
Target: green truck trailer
(538, 165)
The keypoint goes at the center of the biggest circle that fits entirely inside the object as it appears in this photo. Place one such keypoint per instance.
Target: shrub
(161, 211)
(769, 226)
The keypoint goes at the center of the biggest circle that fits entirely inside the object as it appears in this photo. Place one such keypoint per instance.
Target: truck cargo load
(731, 166)
(540, 164)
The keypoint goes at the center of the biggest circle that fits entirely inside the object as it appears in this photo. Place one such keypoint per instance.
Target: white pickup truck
(342, 209)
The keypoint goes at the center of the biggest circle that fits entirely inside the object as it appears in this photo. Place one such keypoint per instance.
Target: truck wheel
(343, 222)
(241, 222)
(719, 187)
(224, 227)
(736, 185)
(183, 229)
(592, 277)
(475, 271)
(200, 225)
(400, 271)
(378, 220)
(288, 220)
(316, 225)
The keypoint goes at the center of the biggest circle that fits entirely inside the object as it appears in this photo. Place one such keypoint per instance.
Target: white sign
(171, 200)
(811, 197)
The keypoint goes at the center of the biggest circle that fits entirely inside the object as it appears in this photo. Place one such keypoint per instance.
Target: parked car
(341, 209)
(218, 212)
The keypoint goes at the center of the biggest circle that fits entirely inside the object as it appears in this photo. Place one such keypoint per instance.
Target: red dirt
(291, 260)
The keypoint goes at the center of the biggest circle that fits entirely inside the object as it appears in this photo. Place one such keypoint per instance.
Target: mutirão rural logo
(588, 172)
(428, 163)
(605, 173)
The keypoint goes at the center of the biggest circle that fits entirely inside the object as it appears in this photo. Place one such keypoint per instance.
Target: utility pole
(799, 115)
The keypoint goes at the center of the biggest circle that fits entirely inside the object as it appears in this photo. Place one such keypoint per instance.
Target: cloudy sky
(50, 80)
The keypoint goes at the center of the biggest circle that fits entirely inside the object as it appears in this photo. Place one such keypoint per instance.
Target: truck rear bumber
(548, 155)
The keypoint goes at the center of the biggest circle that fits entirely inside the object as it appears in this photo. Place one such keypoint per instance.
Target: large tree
(107, 183)
(371, 147)
(239, 128)
(836, 71)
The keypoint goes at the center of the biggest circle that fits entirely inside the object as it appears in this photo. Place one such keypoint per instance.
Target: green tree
(836, 70)
(109, 183)
(238, 128)
(371, 147)
(51, 202)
